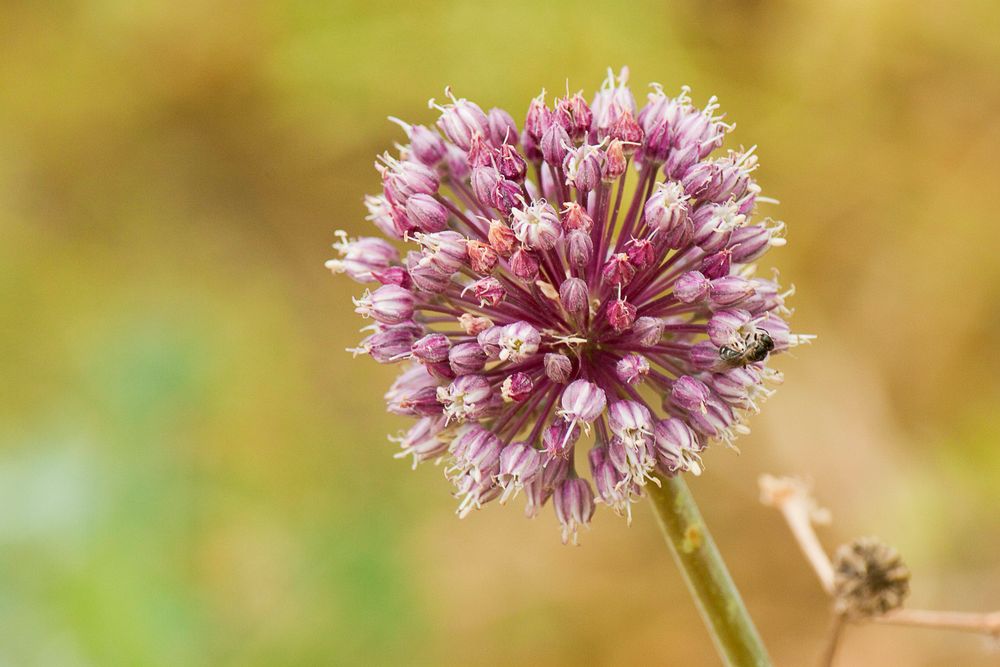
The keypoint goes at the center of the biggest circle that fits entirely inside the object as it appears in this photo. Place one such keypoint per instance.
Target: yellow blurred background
(194, 472)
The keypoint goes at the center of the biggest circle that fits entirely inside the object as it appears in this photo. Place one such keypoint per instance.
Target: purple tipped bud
(690, 393)
(647, 331)
(489, 291)
(583, 401)
(538, 118)
(510, 164)
(574, 505)
(388, 304)
(640, 253)
(432, 348)
(621, 315)
(503, 129)
(516, 388)
(691, 287)
(574, 296)
(618, 270)
(518, 341)
(582, 167)
(558, 367)
(466, 358)
(632, 368)
(717, 264)
(554, 145)
(457, 162)
(489, 340)
(461, 120)
(427, 213)
(730, 291)
(579, 248)
(537, 226)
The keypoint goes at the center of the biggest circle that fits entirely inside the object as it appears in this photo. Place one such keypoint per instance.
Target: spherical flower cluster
(587, 277)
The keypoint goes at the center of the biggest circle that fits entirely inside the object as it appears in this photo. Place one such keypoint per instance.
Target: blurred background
(194, 472)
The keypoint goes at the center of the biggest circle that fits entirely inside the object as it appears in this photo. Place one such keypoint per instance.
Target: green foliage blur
(194, 472)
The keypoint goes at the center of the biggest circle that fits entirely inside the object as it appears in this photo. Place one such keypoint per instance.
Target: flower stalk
(706, 575)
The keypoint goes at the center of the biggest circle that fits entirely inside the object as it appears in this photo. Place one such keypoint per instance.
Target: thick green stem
(707, 577)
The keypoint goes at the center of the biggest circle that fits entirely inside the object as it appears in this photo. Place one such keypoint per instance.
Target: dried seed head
(870, 579)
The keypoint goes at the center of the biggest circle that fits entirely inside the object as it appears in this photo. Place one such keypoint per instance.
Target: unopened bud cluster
(583, 279)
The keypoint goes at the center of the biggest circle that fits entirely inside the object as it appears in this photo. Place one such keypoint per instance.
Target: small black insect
(755, 348)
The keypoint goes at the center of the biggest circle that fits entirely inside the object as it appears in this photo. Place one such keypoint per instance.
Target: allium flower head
(585, 280)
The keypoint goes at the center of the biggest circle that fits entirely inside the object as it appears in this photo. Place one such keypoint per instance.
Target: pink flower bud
(615, 162)
(390, 345)
(393, 275)
(510, 164)
(647, 331)
(554, 145)
(690, 393)
(388, 304)
(503, 129)
(484, 184)
(432, 348)
(466, 358)
(618, 271)
(717, 264)
(461, 120)
(537, 226)
(489, 291)
(516, 387)
(489, 340)
(640, 253)
(518, 341)
(575, 297)
(621, 315)
(691, 287)
(573, 114)
(582, 400)
(575, 217)
(558, 367)
(677, 446)
(524, 264)
(730, 291)
(574, 505)
(579, 248)
(582, 167)
(632, 368)
(427, 213)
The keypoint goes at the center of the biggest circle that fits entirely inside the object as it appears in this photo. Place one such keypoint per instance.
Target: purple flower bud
(618, 270)
(390, 345)
(457, 162)
(583, 167)
(667, 209)
(613, 488)
(489, 291)
(749, 243)
(510, 164)
(388, 304)
(717, 264)
(489, 340)
(690, 393)
(728, 326)
(691, 287)
(403, 179)
(558, 367)
(516, 388)
(468, 397)
(466, 358)
(427, 213)
(503, 129)
(554, 145)
(582, 400)
(609, 103)
(704, 355)
(379, 212)
(484, 184)
(647, 331)
(730, 291)
(394, 275)
(615, 162)
(537, 226)
(717, 421)
(626, 130)
(621, 315)
(640, 253)
(632, 368)
(574, 504)
(714, 225)
(461, 120)
(575, 297)
(427, 145)
(573, 114)
(677, 446)
(360, 257)
(506, 196)
(518, 341)
(477, 453)
(631, 421)
(481, 152)
(424, 276)
(432, 348)
(444, 251)
(537, 120)
(519, 464)
(579, 248)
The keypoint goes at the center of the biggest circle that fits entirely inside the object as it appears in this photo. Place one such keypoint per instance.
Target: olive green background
(194, 472)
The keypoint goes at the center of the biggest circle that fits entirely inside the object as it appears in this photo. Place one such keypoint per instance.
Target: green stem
(706, 575)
